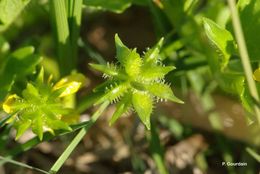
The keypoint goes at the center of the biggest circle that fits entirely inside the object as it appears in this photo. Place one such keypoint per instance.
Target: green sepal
(57, 124)
(143, 104)
(133, 64)
(155, 72)
(21, 127)
(31, 94)
(114, 93)
(121, 108)
(122, 52)
(37, 126)
(163, 91)
(109, 69)
(152, 55)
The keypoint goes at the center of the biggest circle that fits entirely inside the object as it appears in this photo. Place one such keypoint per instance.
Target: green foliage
(249, 11)
(136, 82)
(40, 106)
(16, 66)
(221, 39)
(10, 9)
(117, 6)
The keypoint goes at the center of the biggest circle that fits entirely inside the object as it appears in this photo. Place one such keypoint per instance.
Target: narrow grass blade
(7, 159)
(64, 156)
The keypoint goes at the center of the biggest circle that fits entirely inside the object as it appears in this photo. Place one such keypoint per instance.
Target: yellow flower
(256, 75)
(9, 105)
(70, 84)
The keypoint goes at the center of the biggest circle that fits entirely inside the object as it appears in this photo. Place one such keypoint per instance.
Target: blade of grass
(22, 164)
(253, 154)
(61, 27)
(74, 19)
(3, 121)
(46, 137)
(244, 55)
(64, 156)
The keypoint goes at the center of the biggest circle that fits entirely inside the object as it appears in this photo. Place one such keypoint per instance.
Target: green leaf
(221, 39)
(231, 83)
(10, 9)
(143, 104)
(162, 91)
(22, 61)
(117, 6)
(18, 64)
(247, 100)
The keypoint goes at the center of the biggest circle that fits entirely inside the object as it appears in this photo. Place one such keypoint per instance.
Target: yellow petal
(9, 102)
(256, 75)
(70, 84)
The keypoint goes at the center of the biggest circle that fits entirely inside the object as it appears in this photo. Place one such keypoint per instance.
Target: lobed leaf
(221, 39)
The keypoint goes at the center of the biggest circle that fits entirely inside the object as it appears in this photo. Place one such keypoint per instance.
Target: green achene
(135, 82)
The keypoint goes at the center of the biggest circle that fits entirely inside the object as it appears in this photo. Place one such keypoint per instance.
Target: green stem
(64, 156)
(244, 55)
(7, 159)
(156, 150)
